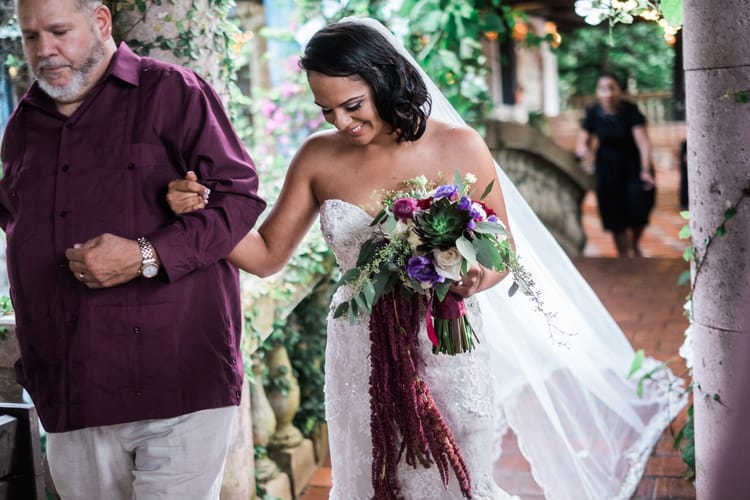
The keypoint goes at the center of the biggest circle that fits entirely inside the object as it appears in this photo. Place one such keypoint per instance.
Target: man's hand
(104, 261)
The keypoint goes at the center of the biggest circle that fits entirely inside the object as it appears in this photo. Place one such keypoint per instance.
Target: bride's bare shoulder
(454, 137)
(319, 147)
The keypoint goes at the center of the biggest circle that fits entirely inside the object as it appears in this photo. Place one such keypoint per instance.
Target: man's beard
(79, 80)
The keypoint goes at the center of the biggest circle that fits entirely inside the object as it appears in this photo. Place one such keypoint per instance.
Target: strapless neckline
(348, 204)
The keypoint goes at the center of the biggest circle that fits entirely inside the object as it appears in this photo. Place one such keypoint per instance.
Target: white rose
(470, 178)
(448, 263)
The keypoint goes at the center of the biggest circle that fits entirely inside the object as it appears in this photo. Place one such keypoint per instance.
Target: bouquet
(427, 238)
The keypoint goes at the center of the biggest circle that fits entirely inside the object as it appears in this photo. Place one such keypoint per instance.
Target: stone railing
(549, 178)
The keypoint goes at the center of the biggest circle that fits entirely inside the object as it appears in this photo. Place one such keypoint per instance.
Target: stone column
(717, 64)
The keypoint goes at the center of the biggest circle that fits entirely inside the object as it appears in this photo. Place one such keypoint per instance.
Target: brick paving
(643, 297)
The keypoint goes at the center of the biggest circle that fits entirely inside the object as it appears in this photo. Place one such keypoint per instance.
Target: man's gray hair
(89, 5)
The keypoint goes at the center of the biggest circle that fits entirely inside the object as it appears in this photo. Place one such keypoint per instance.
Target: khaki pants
(180, 458)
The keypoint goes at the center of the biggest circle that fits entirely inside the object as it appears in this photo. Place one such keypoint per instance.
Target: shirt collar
(125, 65)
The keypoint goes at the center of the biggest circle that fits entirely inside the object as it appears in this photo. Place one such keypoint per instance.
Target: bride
(580, 422)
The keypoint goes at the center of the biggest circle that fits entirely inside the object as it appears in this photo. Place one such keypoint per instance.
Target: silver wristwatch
(149, 266)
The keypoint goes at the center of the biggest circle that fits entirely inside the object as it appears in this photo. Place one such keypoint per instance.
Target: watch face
(150, 270)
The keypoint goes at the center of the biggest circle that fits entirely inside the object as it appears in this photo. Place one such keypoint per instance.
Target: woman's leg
(622, 242)
(637, 233)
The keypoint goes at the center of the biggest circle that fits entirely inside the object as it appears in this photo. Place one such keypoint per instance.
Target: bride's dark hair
(351, 49)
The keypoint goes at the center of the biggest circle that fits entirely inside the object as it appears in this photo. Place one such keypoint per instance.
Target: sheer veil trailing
(579, 420)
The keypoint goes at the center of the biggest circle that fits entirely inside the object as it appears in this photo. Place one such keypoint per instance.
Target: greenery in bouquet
(427, 238)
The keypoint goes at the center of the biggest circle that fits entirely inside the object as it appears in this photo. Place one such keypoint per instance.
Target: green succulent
(442, 225)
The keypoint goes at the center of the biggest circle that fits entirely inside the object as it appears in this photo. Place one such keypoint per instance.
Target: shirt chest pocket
(133, 156)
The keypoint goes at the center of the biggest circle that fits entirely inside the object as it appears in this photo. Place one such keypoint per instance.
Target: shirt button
(13, 193)
(131, 166)
(234, 360)
(138, 393)
(69, 125)
(237, 395)
(63, 213)
(65, 168)
(136, 330)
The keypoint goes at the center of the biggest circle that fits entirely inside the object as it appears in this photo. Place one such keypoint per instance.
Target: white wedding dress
(560, 384)
(460, 385)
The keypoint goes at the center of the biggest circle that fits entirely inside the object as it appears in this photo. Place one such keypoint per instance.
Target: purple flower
(423, 270)
(465, 203)
(404, 208)
(446, 191)
(492, 218)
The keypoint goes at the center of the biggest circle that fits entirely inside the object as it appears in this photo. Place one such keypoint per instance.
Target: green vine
(740, 96)
(6, 308)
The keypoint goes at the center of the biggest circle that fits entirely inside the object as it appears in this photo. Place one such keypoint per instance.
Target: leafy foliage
(638, 54)
(446, 38)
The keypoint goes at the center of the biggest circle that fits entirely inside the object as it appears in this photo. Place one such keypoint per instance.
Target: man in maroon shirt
(128, 319)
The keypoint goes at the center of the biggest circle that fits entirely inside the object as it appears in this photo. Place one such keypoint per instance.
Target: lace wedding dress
(558, 380)
(461, 386)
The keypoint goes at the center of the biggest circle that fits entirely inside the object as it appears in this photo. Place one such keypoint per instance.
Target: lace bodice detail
(345, 228)
(460, 385)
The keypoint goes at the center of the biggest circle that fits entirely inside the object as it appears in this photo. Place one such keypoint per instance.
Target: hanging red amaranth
(401, 404)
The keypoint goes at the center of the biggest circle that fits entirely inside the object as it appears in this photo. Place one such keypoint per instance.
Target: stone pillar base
(297, 462)
(320, 443)
(279, 487)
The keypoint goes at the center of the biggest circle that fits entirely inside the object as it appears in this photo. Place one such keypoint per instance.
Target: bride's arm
(266, 250)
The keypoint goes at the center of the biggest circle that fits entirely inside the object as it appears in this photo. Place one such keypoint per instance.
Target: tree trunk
(717, 64)
(186, 32)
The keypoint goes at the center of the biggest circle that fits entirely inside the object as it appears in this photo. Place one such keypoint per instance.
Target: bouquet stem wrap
(451, 333)
(400, 402)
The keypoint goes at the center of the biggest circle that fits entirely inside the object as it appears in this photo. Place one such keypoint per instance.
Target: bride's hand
(186, 195)
(470, 283)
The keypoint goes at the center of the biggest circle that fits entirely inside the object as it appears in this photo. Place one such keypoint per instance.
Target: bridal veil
(561, 382)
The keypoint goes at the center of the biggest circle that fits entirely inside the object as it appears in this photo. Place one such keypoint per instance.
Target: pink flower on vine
(267, 107)
(288, 89)
(276, 121)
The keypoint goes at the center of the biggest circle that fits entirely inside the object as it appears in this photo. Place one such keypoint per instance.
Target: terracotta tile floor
(646, 302)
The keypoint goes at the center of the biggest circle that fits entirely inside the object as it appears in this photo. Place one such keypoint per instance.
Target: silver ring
(81, 276)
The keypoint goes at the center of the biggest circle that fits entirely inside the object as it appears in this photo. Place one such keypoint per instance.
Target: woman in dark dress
(625, 185)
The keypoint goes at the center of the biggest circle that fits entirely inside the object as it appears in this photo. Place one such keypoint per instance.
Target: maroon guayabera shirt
(151, 348)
